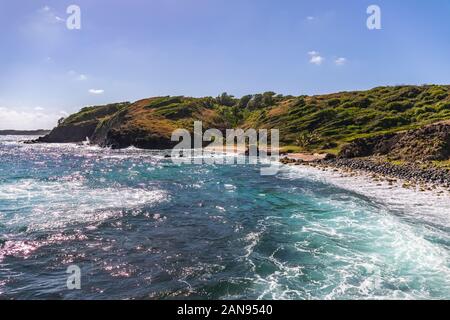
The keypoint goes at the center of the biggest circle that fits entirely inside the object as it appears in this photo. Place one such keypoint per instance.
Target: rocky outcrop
(70, 133)
(82, 125)
(429, 143)
(119, 139)
(145, 124)
(365, 147)
(407, 171)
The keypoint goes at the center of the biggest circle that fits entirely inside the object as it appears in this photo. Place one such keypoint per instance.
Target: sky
(129, 50)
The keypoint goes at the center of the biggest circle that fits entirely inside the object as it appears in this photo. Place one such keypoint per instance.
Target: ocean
(140, 227)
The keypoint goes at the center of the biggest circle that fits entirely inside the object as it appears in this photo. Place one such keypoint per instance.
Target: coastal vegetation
(321, 123)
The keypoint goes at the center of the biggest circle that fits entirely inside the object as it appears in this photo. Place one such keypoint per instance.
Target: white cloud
(316, 58)
(340, 61)
(310, 18)
(96, 91)
(27, 119)
(38, 109)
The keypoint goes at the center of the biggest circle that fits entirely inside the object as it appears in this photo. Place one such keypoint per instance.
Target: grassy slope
(330, 121)
(94, 113)
(324, 122)
(163, 115)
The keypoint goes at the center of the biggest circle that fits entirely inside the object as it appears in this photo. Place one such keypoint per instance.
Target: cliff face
(146, 124)
(309, 123)
(70, 133)
(82, 125)
(429, 143)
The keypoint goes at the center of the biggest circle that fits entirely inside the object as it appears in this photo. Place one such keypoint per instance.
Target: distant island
(39, 132)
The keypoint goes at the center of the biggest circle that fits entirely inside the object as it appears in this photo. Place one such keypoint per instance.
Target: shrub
(444, 106)
(399, 106)
(334, 102)
(391, 121)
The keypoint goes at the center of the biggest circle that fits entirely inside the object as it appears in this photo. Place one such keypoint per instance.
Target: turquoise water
(141, 227)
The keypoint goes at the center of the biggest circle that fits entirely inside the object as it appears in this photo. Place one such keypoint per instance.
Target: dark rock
(408, 171)
(119, 139)
(70, 133)
(329, 156)
(329, 145)
(425, 144)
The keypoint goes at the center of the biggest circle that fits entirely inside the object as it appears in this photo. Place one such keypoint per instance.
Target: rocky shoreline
(417, 157)
(410, 175)
(418, 173)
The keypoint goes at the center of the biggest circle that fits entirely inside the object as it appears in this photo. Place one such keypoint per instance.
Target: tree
(226, 100)
(255, 102)
(243, 102)
(267, 98)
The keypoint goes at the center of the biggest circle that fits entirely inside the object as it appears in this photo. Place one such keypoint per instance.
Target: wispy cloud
(44, 28)
(50, 15)
(340, 61)
(77, 76)
(310, 18)
(96, 91)
(315, 58)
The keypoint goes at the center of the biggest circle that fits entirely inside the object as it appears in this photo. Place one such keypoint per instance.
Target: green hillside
(322, 122)
(329, 121)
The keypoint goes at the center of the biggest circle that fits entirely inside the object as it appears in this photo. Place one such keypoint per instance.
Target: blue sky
(127, 50)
